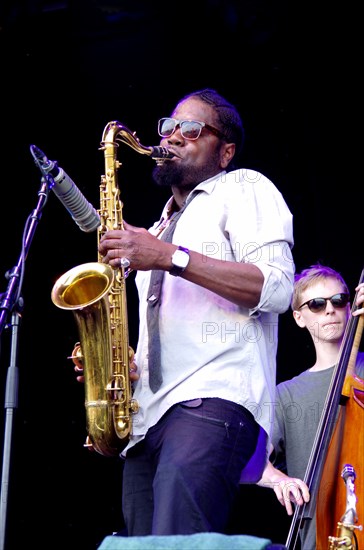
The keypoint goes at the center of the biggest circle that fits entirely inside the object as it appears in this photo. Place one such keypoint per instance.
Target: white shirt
(211, 347)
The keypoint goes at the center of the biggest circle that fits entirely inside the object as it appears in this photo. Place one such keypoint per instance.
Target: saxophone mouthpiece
(160, 154)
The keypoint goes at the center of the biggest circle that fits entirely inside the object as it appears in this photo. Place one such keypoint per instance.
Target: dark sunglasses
(319, 304)
(190, 129)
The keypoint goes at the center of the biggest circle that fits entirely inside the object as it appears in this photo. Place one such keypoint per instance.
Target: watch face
(180, 259)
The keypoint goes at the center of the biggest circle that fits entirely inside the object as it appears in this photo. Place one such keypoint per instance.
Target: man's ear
(298, 318)
(227, 153)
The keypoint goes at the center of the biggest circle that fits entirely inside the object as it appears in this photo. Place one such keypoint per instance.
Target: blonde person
(321, 305)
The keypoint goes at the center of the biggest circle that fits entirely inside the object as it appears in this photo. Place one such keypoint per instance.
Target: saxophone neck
(115, 131)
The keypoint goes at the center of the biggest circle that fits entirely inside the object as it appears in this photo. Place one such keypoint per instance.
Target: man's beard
(177, 174)
(168, 174)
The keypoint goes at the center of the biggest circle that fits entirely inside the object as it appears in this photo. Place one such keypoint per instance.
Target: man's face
(329, 324)
(195, 160)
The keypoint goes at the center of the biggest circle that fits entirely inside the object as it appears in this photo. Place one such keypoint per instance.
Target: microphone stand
(11, 306)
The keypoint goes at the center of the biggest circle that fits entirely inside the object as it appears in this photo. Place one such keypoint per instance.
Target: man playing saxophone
(213, 275)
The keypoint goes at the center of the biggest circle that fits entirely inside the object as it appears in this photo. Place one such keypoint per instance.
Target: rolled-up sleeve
(266, 225)
(278, 279)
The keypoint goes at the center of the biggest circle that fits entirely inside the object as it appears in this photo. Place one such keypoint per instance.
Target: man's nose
(329, 307)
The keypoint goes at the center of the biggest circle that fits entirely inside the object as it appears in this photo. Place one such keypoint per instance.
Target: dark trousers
(183, 477)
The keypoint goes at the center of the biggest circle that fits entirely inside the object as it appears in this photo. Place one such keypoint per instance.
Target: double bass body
(346, 447)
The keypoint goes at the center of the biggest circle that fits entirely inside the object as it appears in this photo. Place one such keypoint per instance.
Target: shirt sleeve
(260, 227)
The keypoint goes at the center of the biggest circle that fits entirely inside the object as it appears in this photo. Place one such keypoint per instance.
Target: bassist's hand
(359, 300)
(287, 489)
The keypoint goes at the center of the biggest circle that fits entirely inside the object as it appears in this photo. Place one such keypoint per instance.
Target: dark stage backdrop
(68, 68)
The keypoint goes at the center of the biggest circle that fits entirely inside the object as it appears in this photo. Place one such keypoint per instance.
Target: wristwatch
(180, 259)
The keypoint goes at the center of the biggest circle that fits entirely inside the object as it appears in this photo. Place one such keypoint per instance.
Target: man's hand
(78, 368)
(76, 357)
(287, 489)
(359, 300)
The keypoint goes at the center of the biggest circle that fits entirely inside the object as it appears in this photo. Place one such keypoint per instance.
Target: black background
(68, 68)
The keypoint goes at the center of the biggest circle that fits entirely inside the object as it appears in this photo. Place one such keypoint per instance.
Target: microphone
(82, 212)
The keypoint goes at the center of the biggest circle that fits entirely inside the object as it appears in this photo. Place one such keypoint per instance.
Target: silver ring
(124, 263)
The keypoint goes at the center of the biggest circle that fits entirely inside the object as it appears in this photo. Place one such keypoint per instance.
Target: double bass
(339, 441)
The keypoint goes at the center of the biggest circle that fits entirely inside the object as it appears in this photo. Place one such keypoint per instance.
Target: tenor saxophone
(346, 537)
(96, 294)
